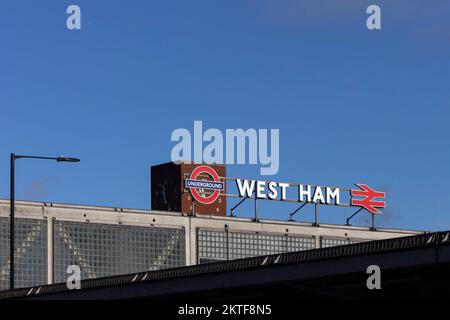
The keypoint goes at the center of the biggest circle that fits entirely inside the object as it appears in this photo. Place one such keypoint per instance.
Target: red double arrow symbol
(369, 201)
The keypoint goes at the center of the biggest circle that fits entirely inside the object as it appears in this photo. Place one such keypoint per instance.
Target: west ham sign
(312, 194)
(364, 197)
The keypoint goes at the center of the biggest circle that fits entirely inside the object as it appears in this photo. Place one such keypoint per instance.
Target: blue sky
(352, 105)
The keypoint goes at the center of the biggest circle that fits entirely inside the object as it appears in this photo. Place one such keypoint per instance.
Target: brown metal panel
(188, 205)
(168, 194)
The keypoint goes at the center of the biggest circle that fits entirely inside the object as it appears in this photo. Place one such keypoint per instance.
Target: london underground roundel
(195, 185)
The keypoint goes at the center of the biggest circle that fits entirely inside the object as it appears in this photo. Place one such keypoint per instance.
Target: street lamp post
(11, 226)
(11, 205)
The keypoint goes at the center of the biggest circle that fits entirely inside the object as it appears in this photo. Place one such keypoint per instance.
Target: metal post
(256, 209)
(296, 210)
(11, 225)
(237, 205)
(228, 241)
(351, 217)
(50, 250)
(286, 244)
(316, 220)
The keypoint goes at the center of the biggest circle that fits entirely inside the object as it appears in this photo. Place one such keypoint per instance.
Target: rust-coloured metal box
(169, 194)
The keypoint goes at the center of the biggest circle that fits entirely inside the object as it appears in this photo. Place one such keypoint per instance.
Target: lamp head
(61, 158)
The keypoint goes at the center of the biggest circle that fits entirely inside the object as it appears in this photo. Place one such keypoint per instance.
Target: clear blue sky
(352, 105)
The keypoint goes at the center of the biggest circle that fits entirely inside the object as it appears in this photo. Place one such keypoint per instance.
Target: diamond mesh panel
(30, 252)
(212, 244)
(102, 250)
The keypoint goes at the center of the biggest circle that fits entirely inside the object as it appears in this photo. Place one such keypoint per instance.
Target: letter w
(245, 188)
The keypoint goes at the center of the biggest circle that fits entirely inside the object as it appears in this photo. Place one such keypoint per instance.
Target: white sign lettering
(278, 191)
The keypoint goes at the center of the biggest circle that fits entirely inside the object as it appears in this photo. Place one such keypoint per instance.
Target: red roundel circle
(216, 193)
